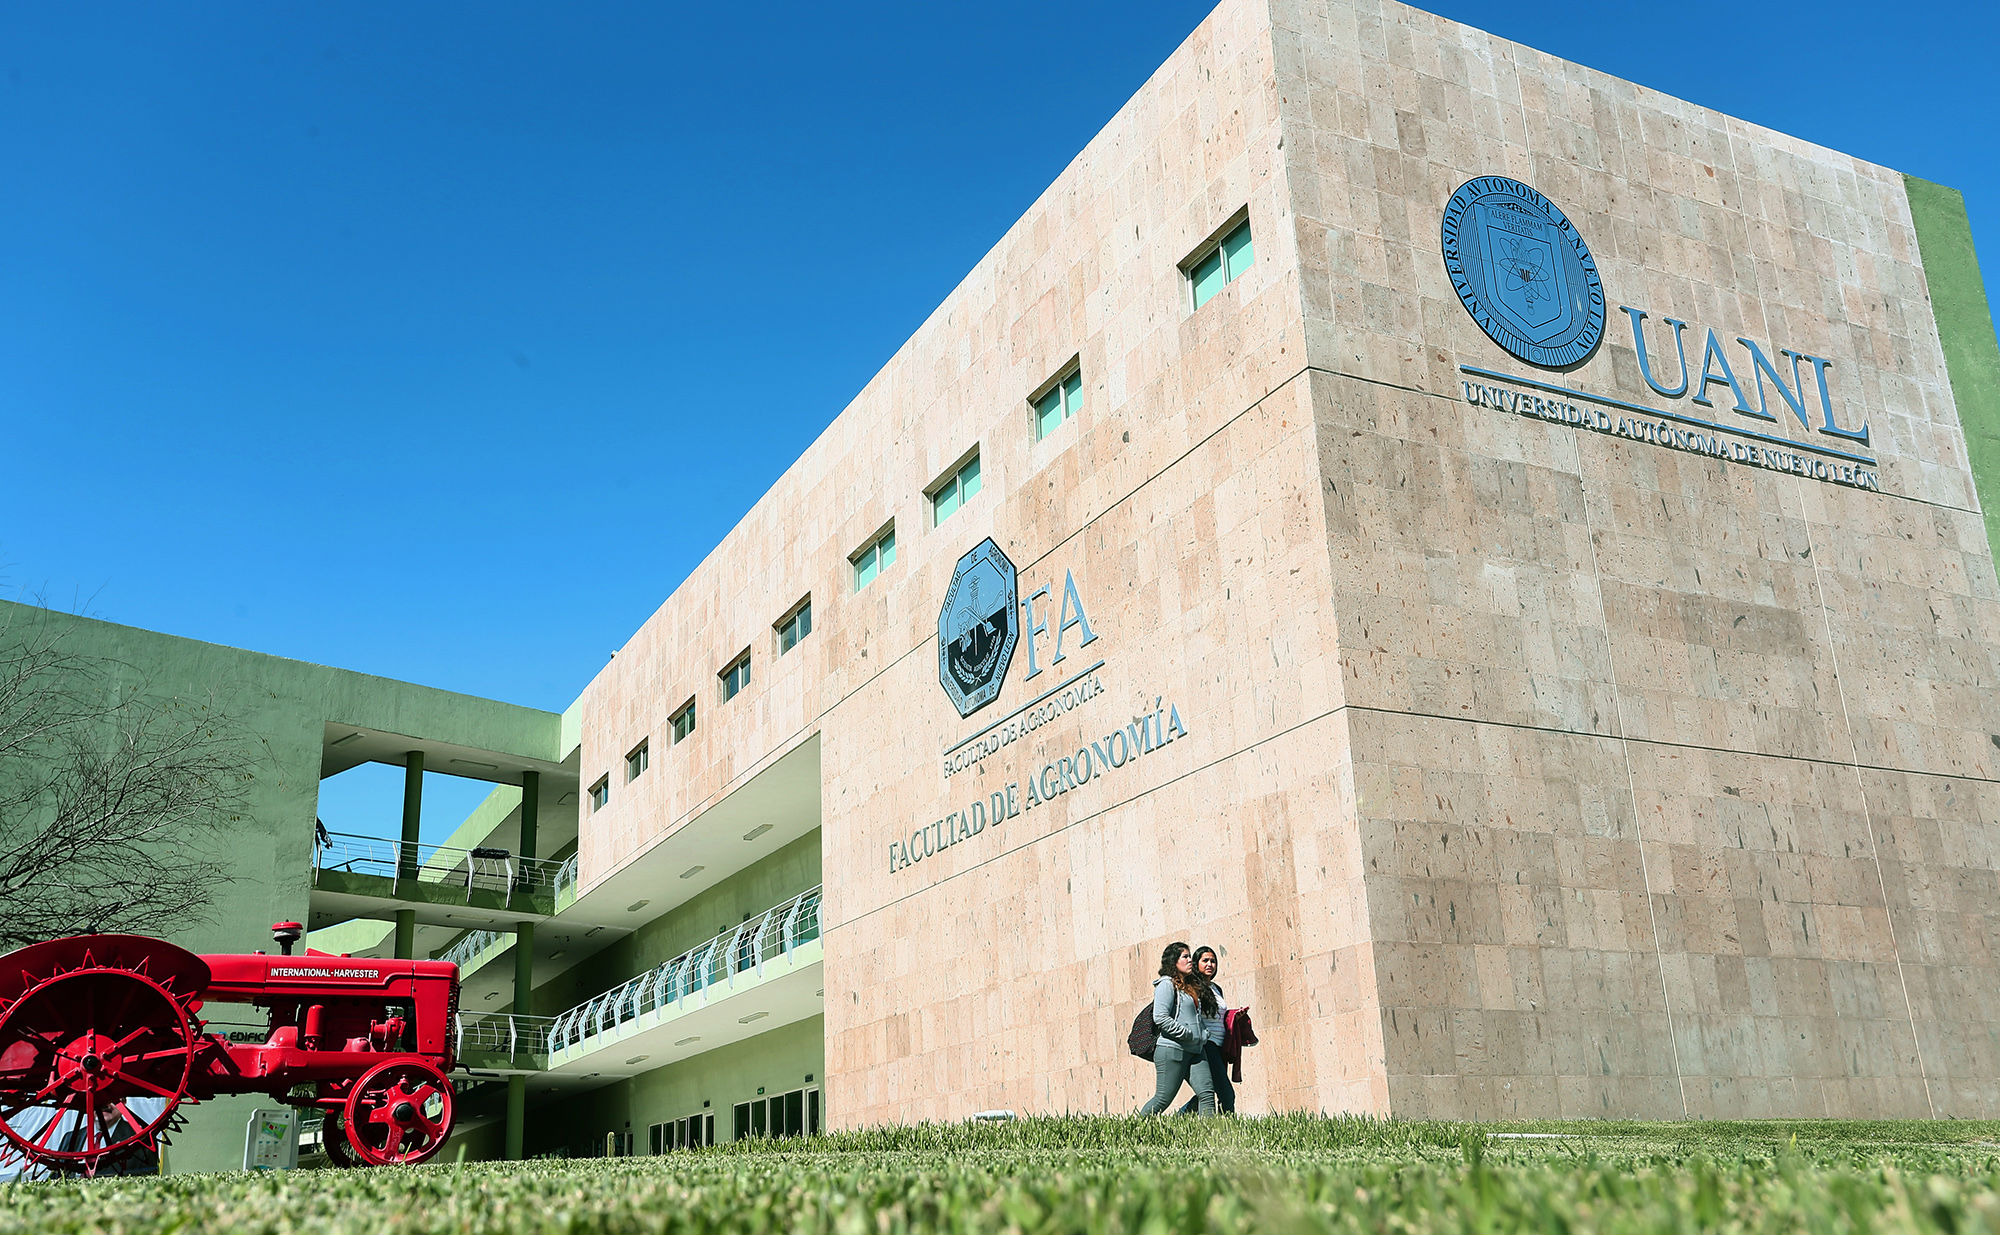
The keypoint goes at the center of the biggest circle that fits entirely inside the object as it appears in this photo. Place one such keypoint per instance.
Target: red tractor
(90, 1024)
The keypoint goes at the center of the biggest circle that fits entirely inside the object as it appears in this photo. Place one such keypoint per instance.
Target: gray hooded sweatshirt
(1177, 1017)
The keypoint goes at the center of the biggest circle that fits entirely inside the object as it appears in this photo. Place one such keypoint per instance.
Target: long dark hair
(1199, 978)
(1191, 984)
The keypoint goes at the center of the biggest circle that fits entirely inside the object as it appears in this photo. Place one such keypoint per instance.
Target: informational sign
(271, 1143)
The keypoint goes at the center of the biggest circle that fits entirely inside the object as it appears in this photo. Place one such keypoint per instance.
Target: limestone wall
(1674, 775)
(1519, 767)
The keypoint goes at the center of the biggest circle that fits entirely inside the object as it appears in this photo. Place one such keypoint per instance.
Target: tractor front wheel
(398, 1113)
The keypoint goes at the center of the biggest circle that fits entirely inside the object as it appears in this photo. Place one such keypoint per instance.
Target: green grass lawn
(1285, 1173)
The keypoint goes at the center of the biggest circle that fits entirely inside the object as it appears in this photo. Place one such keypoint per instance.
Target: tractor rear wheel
(333, 1139)
(398, 1113)
(77, 1047)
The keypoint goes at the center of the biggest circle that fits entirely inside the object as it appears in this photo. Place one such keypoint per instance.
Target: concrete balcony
(474, 949)
(755, 977)
(501, 1043)
(368, 876)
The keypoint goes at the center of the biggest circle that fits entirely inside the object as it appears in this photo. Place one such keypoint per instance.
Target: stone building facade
(1546, 741)
(1496, 551)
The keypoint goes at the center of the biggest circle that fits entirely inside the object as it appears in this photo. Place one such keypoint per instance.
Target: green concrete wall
(282, 707)
(485, 1143)
(779, 1060)
(353, 935)
(1965, 328)
(752, 890)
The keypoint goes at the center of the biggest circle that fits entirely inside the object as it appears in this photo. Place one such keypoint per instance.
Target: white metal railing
(741, 949)
(502, 1032)
(471, 945)
(494, 870)
(566, 877)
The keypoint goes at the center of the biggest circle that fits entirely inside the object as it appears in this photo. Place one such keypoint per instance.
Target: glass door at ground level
(690, 1133)
(786, 1114)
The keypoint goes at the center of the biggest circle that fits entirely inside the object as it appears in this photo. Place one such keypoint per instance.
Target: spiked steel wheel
(333, 1139)
(398, 1114)
(77, 1045)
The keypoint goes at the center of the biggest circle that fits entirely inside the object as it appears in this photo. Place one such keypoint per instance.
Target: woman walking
(1212, 1026)
(1178, 1008)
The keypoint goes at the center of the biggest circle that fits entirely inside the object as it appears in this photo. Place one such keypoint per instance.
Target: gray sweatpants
(1169, 1074)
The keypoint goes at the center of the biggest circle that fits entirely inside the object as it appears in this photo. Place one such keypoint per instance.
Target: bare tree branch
(113, 803)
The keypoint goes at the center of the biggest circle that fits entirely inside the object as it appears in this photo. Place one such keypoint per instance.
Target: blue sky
(441, 341)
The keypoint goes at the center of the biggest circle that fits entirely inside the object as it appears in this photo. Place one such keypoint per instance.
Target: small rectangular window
(600, 793)
(875, 557)
(1057, 404)
(1214, 266)
(955, 489)
(637, 760)
(795, 626)
(683, 721)
(736, 677)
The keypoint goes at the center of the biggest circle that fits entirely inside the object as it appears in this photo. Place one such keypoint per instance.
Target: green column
(406, 857)
(531, 812)
(524, 932)
(524, 969)
(517, 1086)
(517, 1117)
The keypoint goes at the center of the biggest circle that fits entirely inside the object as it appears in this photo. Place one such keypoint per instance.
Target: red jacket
(1237, 1033)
